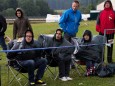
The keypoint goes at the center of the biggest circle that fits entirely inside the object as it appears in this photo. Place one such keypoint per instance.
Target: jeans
(89, 64)
(31, 65)
(2, 43)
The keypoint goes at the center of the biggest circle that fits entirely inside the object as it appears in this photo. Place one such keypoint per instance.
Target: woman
(105, 25)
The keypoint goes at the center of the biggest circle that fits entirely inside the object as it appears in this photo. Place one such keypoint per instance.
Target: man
(69, 21)
(21, 24)
(30, 60)
(61, 55)
(3, 27)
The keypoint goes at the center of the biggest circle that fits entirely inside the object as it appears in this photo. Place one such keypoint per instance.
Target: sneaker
(68, 78)
(32, 84)
(63, 79)
(40, 82)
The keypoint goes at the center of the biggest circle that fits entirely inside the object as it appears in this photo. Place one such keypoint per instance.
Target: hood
(19, 9)
(32, 36)
(87, 32)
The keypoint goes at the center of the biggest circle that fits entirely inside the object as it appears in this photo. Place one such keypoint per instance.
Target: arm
(98, 24)
(80, 17)
(4, 24)
(29, 25)
(62, 22)
(14, 30)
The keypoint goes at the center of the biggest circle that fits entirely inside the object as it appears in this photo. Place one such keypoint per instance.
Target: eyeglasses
(28, 36)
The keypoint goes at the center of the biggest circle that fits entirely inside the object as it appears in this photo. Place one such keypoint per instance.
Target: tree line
(43, 7)
(30, 7)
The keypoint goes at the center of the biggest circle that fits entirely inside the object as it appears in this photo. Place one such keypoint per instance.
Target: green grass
(49, 28)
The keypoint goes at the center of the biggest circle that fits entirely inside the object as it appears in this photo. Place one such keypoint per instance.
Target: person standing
(21, 24)
(106, 22)
(70, 21)
(3, 27)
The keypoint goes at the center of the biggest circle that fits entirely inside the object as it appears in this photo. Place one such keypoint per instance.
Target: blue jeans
(89, 64)
(31, 65)
(2, 43)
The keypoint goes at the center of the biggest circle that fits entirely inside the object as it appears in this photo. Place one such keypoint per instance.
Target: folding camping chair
(99, 41)
(52, 63)
(76, 62)
(15, 68)
(52, 67)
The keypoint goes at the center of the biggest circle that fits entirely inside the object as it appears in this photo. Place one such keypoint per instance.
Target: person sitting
(87, 52)
(30, 60)
(62, 54)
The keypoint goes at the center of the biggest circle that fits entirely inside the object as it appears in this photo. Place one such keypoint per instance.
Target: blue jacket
(69, 21)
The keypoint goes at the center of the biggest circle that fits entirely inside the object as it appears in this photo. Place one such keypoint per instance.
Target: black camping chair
(77, 62)
(15, 68)
(52, 63)
(99, 42)
(52, 67)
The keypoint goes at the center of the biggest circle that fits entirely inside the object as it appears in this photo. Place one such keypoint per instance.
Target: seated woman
(87, 52)
(61, 54)
(30, 60)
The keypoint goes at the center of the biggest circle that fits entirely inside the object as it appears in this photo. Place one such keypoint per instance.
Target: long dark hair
(108, 1)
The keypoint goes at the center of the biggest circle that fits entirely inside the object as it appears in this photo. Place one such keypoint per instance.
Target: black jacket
(62, 52)
(3, 25)
(24, 55)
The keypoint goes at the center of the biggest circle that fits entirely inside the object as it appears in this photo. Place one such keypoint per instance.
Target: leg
(2, 43)
(67, 36)
(67, 67)
(40, 65)
(30, 65)
(109, 48)
(61, 65)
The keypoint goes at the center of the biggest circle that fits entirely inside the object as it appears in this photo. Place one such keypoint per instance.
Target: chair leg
(55, 75)
(77, 66)
(15, 77)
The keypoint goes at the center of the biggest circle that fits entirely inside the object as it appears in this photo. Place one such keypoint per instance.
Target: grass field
(49, 28)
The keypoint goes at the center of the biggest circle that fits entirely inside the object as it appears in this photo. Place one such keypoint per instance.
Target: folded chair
(15, 69)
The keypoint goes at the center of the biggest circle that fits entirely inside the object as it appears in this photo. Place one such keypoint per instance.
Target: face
(86, 37)
(18, 13)
(75, 6)
(58, 35)
(107, 5)
(28, 37)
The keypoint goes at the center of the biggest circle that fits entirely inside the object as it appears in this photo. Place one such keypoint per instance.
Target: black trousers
(109, 48)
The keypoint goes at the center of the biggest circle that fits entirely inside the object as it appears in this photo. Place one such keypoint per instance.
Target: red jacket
(106, 20)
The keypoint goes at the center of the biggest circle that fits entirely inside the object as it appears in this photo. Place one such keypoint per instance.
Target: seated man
(87, 52)
(62, 54)
(30, 60)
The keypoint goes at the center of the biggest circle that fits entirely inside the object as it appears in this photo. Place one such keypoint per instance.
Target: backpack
(103, 70)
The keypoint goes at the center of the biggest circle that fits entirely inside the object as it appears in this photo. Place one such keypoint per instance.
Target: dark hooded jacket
(87, 48)
(61, 52)
(3, 25)
(21, 24)
(24, 55)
